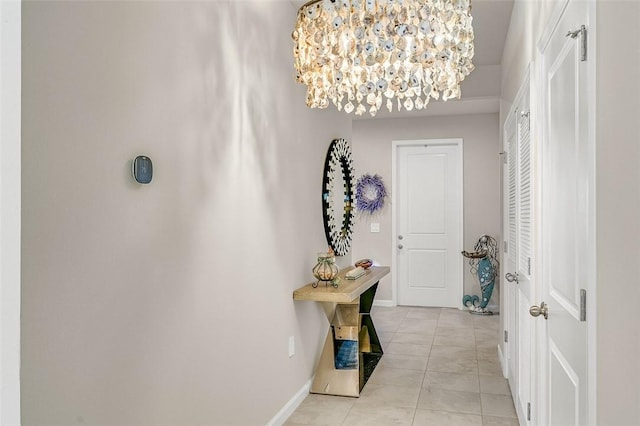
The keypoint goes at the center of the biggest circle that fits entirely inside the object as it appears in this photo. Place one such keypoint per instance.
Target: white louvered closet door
(517, 265)
(510, 257)
(523, 294)
(524, 201)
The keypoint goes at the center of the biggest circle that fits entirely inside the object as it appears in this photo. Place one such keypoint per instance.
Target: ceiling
(481, 89)
(490, 24)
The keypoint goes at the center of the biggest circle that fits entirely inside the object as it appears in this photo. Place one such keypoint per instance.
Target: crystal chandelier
(355, 53)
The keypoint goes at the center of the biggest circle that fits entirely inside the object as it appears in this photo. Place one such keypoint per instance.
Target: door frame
(10, 221)
(395, 145)
(540, 331)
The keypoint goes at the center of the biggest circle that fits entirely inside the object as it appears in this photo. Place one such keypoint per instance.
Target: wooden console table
(351, 332)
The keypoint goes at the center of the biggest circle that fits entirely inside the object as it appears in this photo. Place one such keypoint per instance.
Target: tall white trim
(10, 117)
(592, 363)
(395, 145)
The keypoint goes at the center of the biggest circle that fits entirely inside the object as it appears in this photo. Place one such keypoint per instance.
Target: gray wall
(169, 303)
(372, 147)
(618, 212)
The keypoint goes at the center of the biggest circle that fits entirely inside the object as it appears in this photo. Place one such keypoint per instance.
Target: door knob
(512, 278)
(400, 237)
(536, 311)
(400, 246)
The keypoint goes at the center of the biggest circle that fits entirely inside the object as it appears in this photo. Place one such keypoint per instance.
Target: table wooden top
(347, 291)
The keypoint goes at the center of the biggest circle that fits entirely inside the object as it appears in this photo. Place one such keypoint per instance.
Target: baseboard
(384, 303)
(503, 362)
(291, 405)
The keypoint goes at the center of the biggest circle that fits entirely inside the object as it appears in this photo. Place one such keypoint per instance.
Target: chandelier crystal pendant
(358, 53)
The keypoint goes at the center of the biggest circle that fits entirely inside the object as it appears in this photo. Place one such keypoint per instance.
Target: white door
(568, 240)
(518, 251)
(524, 262)
(428, 215)
(510, 246)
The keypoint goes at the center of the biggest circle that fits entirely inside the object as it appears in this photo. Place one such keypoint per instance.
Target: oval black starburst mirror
(337, 196)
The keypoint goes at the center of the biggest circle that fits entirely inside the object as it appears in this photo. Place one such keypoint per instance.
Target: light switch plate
(375, 227)
(292, 346)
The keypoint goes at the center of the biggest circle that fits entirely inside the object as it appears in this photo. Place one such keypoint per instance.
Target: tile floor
(440, 367)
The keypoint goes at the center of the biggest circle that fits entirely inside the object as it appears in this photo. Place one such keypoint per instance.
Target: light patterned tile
(497, 405)
(455, 313)
(414, 338)
(322, 410)
(487, 353)
(445, 418)
(408, 349)
(490, 343)
(489, 367)
(455, 331)
(384, 375)
(455, 323)
(363, 414)
(385, 337)
(389, 395)
(491, 322)
(494, 384)
(424, 313)
(388, 316)
(404, 361)
(448, 365)
(386, 327)
(451, 381)
(454, 340)
(499, 421)
(488, 335)
(391, 314)
(450, 400)
(456, 319)
(418, 326)
(454, 352)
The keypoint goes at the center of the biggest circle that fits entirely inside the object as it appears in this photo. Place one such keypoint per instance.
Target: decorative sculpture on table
(326, 270)
(483, 262)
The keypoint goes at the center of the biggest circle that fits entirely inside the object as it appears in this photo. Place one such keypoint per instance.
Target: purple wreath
(370, 193)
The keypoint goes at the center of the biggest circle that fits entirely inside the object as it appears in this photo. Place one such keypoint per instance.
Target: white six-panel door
(428, 216)
(567, 196)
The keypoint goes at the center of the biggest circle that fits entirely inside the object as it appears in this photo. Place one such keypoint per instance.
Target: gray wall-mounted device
(142, 169)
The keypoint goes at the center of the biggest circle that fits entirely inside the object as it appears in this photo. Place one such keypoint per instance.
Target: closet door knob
(536, 311)
(512, 278)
